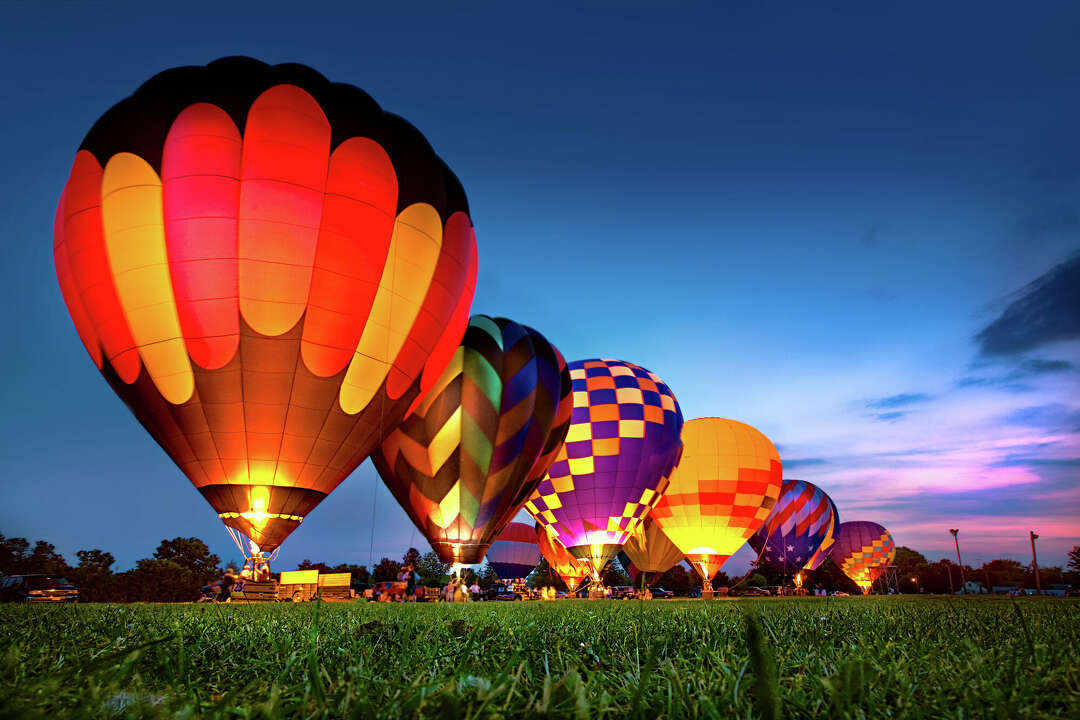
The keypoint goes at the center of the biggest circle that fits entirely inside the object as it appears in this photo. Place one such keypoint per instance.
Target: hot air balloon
(622, 445)
(721, 493)
(268, 269)
(463, 463)
(649, 551)
(862, 551)
(572, 570)
(514, 553)
(800, 521)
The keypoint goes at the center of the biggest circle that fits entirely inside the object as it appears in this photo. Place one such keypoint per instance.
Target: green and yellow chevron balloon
(466, 460)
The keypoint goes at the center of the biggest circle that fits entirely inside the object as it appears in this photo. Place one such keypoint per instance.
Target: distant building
(971, 587)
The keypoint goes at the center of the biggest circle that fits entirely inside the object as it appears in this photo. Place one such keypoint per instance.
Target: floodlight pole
(1035, 564)
(956, 538)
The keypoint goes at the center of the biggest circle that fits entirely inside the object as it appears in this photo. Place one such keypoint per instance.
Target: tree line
(181, 566)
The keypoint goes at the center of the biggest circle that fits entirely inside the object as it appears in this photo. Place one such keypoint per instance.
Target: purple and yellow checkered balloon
(623, 443)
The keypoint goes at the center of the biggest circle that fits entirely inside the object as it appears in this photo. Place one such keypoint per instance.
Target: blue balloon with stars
(799, 530)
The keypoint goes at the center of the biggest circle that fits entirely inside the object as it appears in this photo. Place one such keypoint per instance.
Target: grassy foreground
(900, 657)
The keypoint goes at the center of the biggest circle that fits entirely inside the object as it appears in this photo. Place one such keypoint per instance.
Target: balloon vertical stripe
(89, 261)
(76, 309)
(200, 173)
(283, 177)
(354, 239)
(135, 242)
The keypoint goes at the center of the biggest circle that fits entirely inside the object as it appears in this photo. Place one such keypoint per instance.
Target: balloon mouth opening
(459, 553)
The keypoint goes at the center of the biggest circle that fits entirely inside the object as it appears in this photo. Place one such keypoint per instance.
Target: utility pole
(1035, 564)
(956, 538)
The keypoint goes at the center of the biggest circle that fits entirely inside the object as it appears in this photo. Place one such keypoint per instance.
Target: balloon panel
(514, 553)
(463, 463)
(622, 445)
(796, 527)
(650, 550)
(235, 287)
(721, 493)
(862, 551)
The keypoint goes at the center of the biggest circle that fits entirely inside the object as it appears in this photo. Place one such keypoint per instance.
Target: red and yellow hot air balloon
(572, 570)
(268, 269)
(721, 492)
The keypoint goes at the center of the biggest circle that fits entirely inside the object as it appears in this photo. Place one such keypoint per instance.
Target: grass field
(899, 657)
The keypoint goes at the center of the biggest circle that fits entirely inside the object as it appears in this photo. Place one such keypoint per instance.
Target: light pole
(1035, 564)
(956, 538)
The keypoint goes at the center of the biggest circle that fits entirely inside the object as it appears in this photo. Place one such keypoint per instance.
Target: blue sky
(853, 228)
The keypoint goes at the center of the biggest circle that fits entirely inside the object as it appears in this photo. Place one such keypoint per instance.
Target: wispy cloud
(1046, 311)
(804, 462)
(1052, 415)
(895, 401)
(889, 417)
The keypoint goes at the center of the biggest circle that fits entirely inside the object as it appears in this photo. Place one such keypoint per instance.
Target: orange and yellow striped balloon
(269, 270)
(721, 492)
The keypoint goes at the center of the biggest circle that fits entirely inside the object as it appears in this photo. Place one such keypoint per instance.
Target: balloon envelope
(721, 493)
(514, 554)
(463, 463)
(862, 551)
(267, 269)
(800, 522)
(622, 445)
(572, 570)
(650, 551)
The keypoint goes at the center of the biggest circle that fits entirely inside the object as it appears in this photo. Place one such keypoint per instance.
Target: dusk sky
(856, 229)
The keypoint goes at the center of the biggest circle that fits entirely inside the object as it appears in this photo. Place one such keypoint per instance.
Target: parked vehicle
(752, 591)
(389, 589)
(839, 593)
(622, 592)
(660, 593)
(37, 588)
(505, 593)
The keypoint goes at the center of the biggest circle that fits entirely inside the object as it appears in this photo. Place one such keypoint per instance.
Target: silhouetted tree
(412, 557)
(157, 580)
(431, 570)
(13, 552)
(721, 579)
(830, 578)
(193, 555)
(487, 576)
(306, 564)
(614, 574)
(45, 560)
(387, 569)
(94, 576)
(677, 580)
